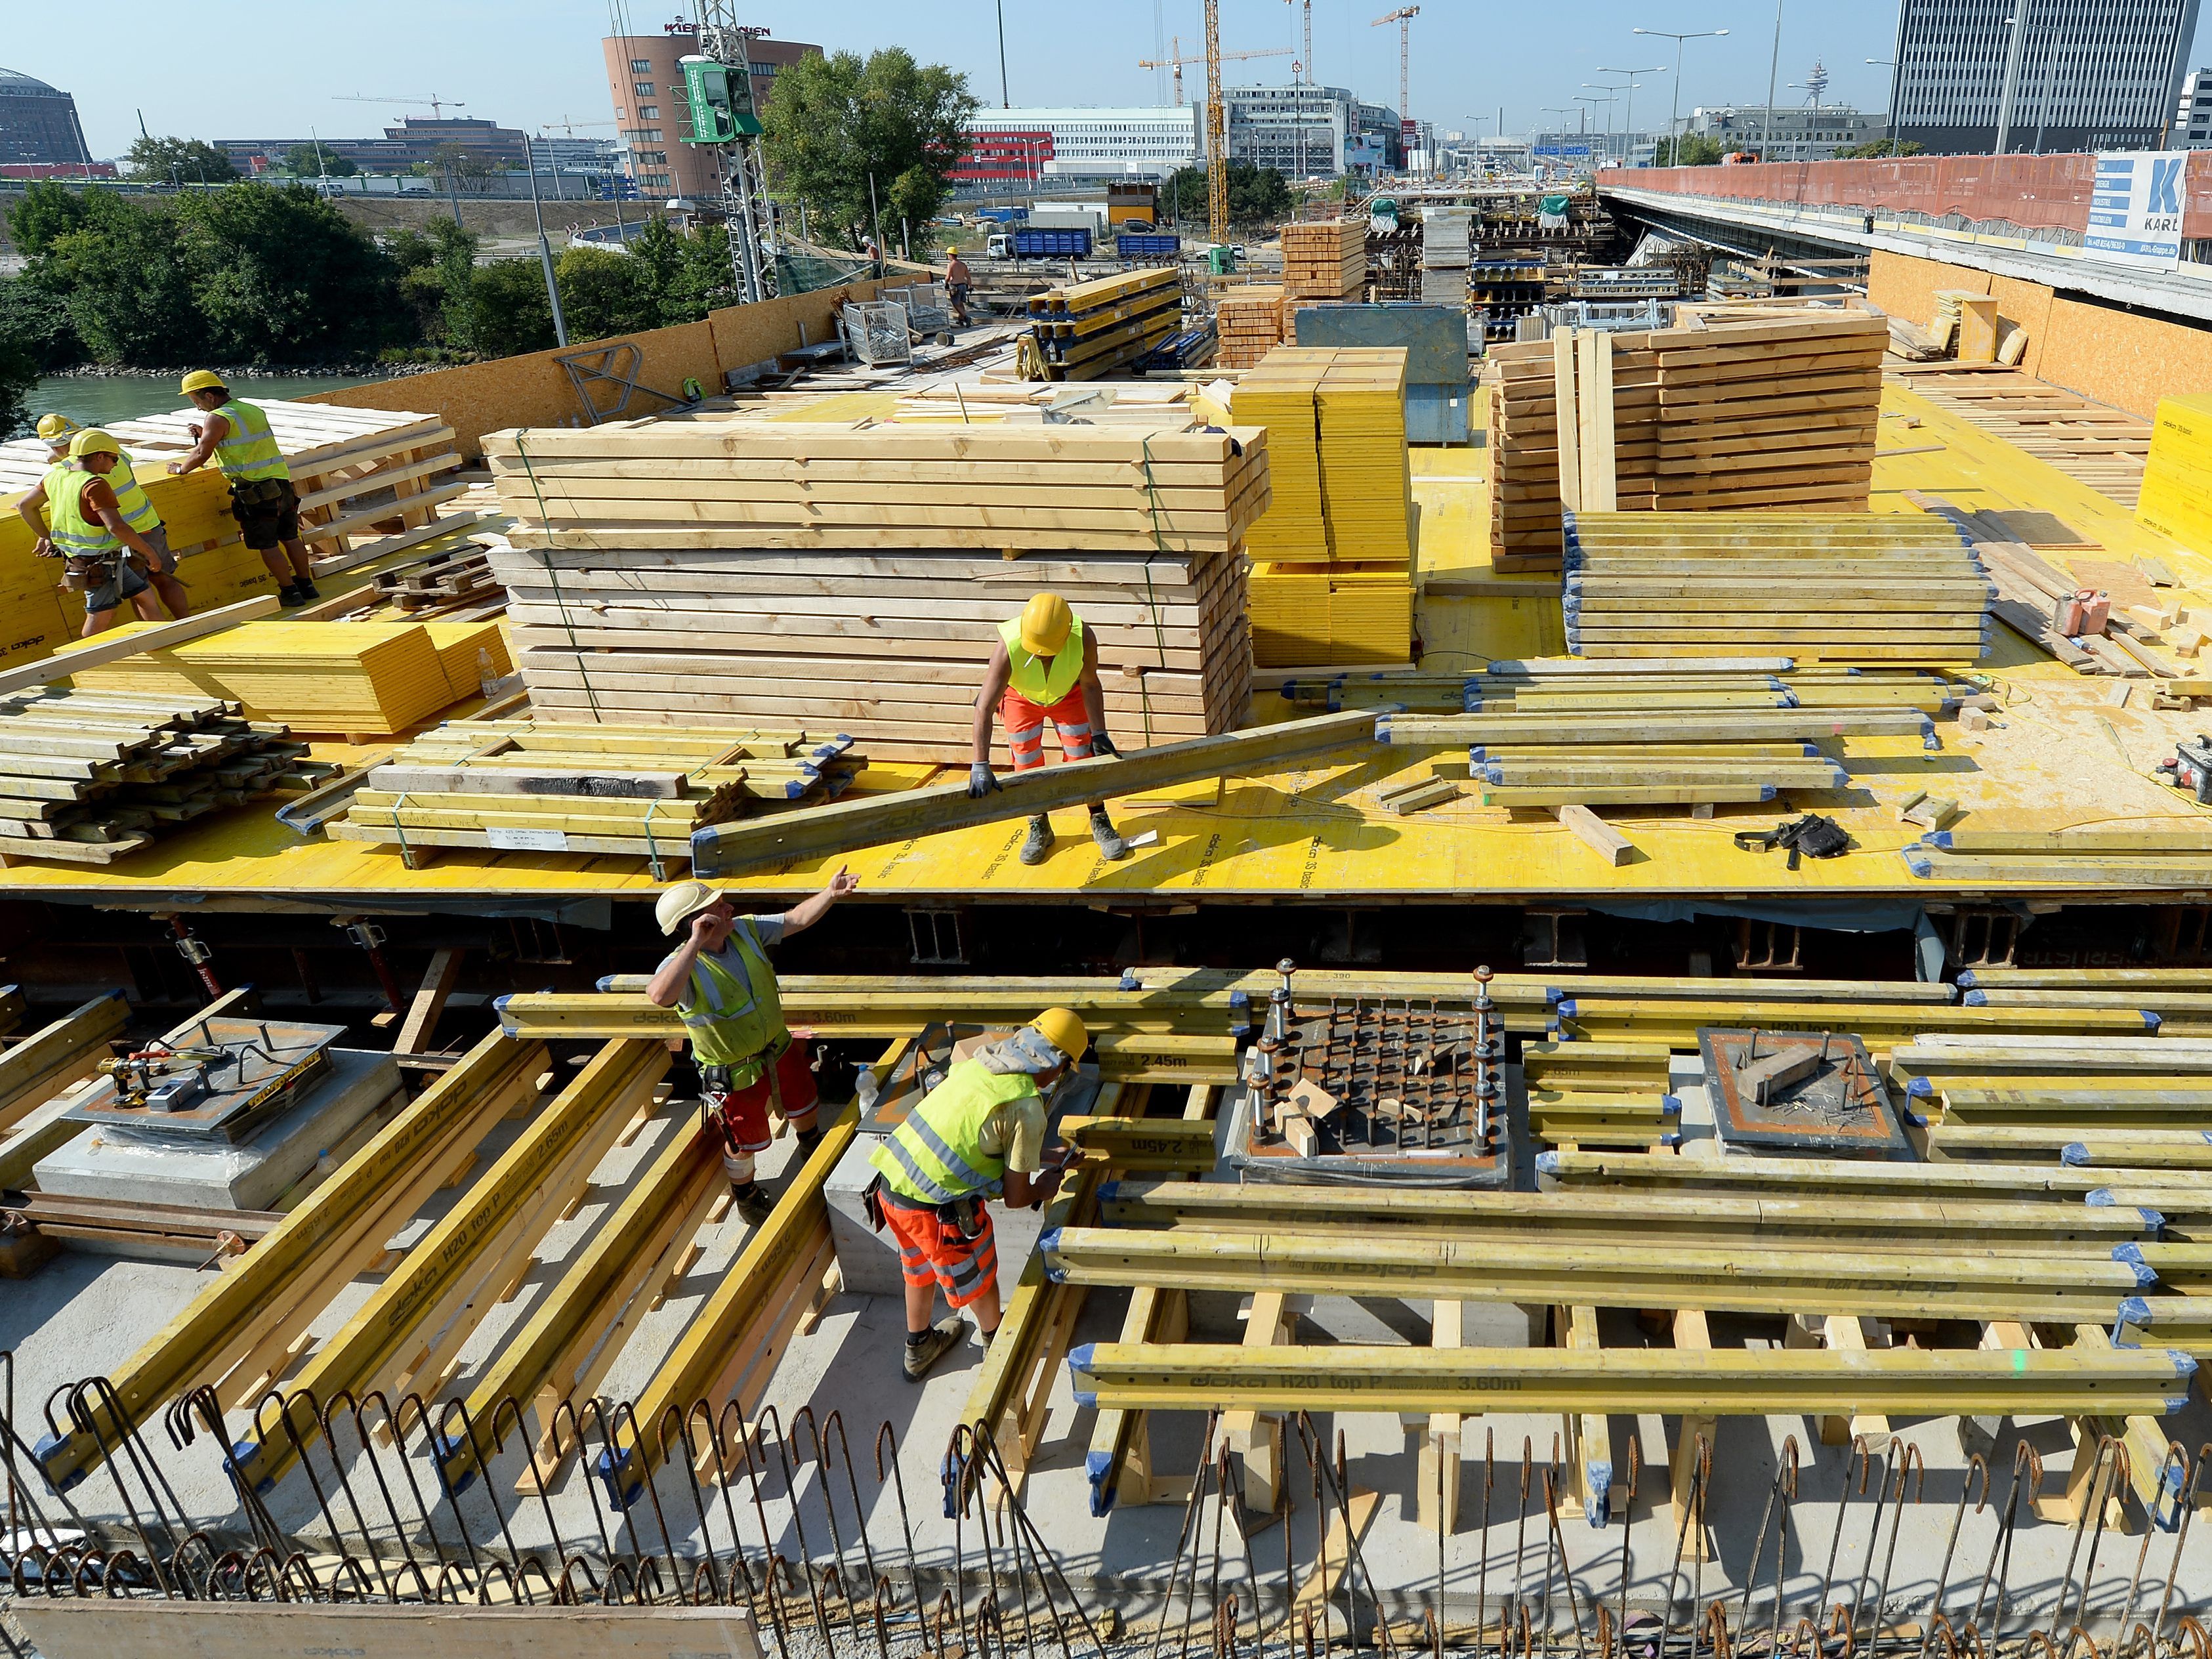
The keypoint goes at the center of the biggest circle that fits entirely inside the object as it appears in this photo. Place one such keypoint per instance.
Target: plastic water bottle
(865, 1089)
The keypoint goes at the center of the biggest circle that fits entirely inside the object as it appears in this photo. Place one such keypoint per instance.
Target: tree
(19, 372)
(471, 169)
(1256, 195)
(315, 162)
(35, 320)
(128, 283)
(510, 313)
(836, 123)
(179, 160)
(46, 212)
(1695, 150)
(603, 293)
(279, 274)
(1880, 148)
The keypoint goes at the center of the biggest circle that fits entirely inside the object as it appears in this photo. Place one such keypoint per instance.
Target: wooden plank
(98, 652)
(1601, 837)
(1570, 436)
(422, 1021)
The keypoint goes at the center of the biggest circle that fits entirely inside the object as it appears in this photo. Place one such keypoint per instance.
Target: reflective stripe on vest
(733, 1022)
(1043, 680)
(933, 1157)
(75, 533)
(248, 451)
(130, 495)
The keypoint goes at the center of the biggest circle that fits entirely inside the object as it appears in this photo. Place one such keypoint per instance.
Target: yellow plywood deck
(2060, 755)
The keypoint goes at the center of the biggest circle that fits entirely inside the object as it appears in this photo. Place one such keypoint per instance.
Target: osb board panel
(2127, 360)
(1906, 287)
(751, 334)
(534, 390)
(2028, 306)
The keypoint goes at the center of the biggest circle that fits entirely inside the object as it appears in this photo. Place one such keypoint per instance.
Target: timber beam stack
(1325, 259)
(1089, 330)
(854, 578)
(89, 777)
(1253, 322)
(529, 786)
(2154, 857)
(1887, 589)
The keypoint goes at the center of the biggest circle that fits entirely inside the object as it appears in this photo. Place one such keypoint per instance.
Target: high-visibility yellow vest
(248, 452)
(74, 531)
(1043, 680)
(130, 495)
(732, 1022)
(933, 1157)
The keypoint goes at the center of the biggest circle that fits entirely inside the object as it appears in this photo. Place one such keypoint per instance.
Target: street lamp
(1773, 66)
(1675, 111)
(1607, 86)
(1609, 120)
(1890, 64)
(1628, 115)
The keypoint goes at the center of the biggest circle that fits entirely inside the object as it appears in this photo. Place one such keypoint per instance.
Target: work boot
(924, 1351)
(808, 1140)
(290, 597)
(1040, 840)
(1111, 847)
(306, 588)
(753, 1204)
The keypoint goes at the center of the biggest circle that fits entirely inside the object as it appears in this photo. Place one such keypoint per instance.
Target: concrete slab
(251, 1174)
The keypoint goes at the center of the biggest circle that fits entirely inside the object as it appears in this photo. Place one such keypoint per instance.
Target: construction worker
(236, 436)
(719, 979)
(89, 531)
(978, 1132)
(959, 282)
(130, 494)
(1045, 667)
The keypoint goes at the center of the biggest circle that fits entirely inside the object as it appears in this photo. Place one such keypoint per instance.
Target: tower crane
(405, 101)
(1176, 59)
(1403, 17)
(1305, 63)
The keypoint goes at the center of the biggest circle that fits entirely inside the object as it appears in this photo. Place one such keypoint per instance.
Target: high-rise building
(2192, 118)
(1019, 146)
(2082, 75)
(38, 124)
(1300, 130)
(651, 115)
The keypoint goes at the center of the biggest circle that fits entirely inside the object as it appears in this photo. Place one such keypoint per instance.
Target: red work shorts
(743, 1111)
(932, 1252)
(1024, 722)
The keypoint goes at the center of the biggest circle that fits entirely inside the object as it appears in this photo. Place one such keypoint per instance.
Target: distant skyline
(258, 72)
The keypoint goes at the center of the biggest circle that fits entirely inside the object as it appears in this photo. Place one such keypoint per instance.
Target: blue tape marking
(2100, 1197)
(2129, 1253)
(1565, 1007)
(2134, 1310)
(1670, 1103)
(1383, 729)
(2152, 1218)
(1547, 1163)
(1978, 999)
(500, 1001)
(608, 1468)
(1920, 1085)
(2075, 1154)
(2151, 1019)
(1108, 1191)
(1943, 838)
(1129, 981)
(1672, 1137)
(1966, 975)
(1918, 867)
(1766, 791)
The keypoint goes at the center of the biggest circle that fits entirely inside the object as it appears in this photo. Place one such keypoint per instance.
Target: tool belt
(85, 572)
(963, 1215)
(716, 1090)
(257, 492)
(1813, 836)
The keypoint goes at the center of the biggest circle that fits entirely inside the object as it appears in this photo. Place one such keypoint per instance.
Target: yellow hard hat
(203, 379)
(56, 428)
(1045, 623)
(93, 441)
(1061, 1028)
(681, 902)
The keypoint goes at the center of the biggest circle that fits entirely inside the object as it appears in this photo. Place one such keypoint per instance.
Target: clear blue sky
(272, 70)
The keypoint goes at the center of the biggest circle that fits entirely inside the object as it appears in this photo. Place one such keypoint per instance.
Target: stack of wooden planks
(1333, 577)
(749, 573)
(89, 777)
(1600, 1094)
(371, 679)
(546, 785)
(1086, 329)
(1324, 258)
(1251, 320)
(2147, 855)
(2092, 443)
(1894, 589)
(2176, 493)
(443, 580)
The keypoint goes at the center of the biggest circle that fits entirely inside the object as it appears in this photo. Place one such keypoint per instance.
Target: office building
(2192, 117)
(1804, 132)
(2084, 74)
(1302, 131)
(646, 83)
(1018, 146)
(38, 124)
(401, 149)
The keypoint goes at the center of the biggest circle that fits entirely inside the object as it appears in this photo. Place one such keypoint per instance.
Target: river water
(96, 399)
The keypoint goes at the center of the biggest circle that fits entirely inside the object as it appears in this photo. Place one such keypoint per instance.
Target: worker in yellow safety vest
(1045, 667)
(84, 524)
(719, 982)
(58, 430)
(236, 436)
(980, 1132)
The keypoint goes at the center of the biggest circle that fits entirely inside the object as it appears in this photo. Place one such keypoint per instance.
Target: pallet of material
(2176, 494)
(729, 484)
(1324, 258)
(1340, 479)
(1250, 319)
(1086, 329)
(439, 581)
(372, 679)
(1304, 613)
(89, 777)
(2092, 443)
(534, 786)
(1891, 589)
(887, 647)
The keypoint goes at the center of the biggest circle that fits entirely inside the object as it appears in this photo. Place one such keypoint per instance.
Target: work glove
(980, 780)
(1102, 744)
